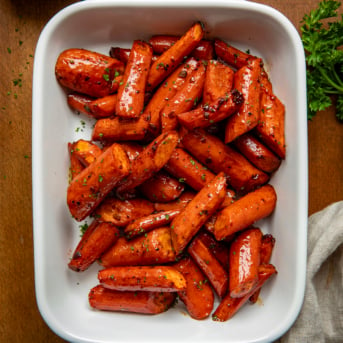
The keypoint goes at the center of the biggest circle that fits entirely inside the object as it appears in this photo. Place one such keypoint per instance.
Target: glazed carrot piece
(80, 102)
(186, 168)
(210, 266)
(161, 43)
(132, 149)
(219, 99)
(145, 224)
(246, 81)
(208, 114)
(97, 108)
(162, 187)
(120, 54)
(104, 107)
(95, 241)
(271, 127)
(147, 278)
(209, 227)
(170, 59)
(214, 154)
(76, 166)
(257, 153)
(231, 55)
(105, 299)
(150, 160)
(87, 72)
(186, 225)
(245, 212)
(90, 187)
(132, 89)
(230, 197)
(117, 129)
(218, 81)
(152, 248)
(184, 100)
(244, 262)
(229, 306)
(203, 51)
(122, 212)
(86, 151)
(165, 92)
(198, 296)
(220, 250)
(178, 204)
(267, 245)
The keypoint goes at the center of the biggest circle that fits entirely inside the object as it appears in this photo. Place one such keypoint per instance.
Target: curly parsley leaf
(324, 57)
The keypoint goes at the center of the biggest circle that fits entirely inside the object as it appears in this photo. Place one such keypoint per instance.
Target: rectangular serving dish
(62, 295)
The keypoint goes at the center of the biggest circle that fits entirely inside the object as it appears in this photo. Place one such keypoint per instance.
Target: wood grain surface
(21, 23)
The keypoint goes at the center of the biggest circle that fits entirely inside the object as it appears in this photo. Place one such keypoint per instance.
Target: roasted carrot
(147, 278)
(203, 51)
(214, 154)
(120, 54)
(257, 153)
(95, 241)
(231, 55)
(244, 262)
(184, 99)
(132, 149)
(165, 93)
(267, 245)
(229, 306)
(198, 296)
(98, 108)
(80, 102)
(245, 212)
(177, 204)
(103, 107)
(208, 114)
(90, 187)
(132, 89)
(86, 151)
(230, 197)
(211, 267)
(220, 250)
(185, 226)
(170, 59)
(117, 129)
(150, 160)
(87, 72)
(122, 212)
(162, 187)
(152, 248)
(76, 166)
(187, 169)
(209, 227)
(246, 81)
(271, 127)
(218, 81)
(145, 224)
(102, 298)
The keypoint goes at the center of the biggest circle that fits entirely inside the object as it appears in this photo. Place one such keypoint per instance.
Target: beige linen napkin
(321, 317)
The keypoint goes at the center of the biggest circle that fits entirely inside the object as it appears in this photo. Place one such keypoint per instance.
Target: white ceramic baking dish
(98, 25)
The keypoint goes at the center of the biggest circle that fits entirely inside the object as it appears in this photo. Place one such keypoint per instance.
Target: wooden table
(21, 23)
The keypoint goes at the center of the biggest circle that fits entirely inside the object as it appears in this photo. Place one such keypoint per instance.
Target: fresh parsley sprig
(323, 42)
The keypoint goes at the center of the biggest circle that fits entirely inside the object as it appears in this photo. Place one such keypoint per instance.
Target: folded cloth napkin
(321, 316)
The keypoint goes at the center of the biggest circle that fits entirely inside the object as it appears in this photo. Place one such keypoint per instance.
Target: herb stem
(329, 80)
